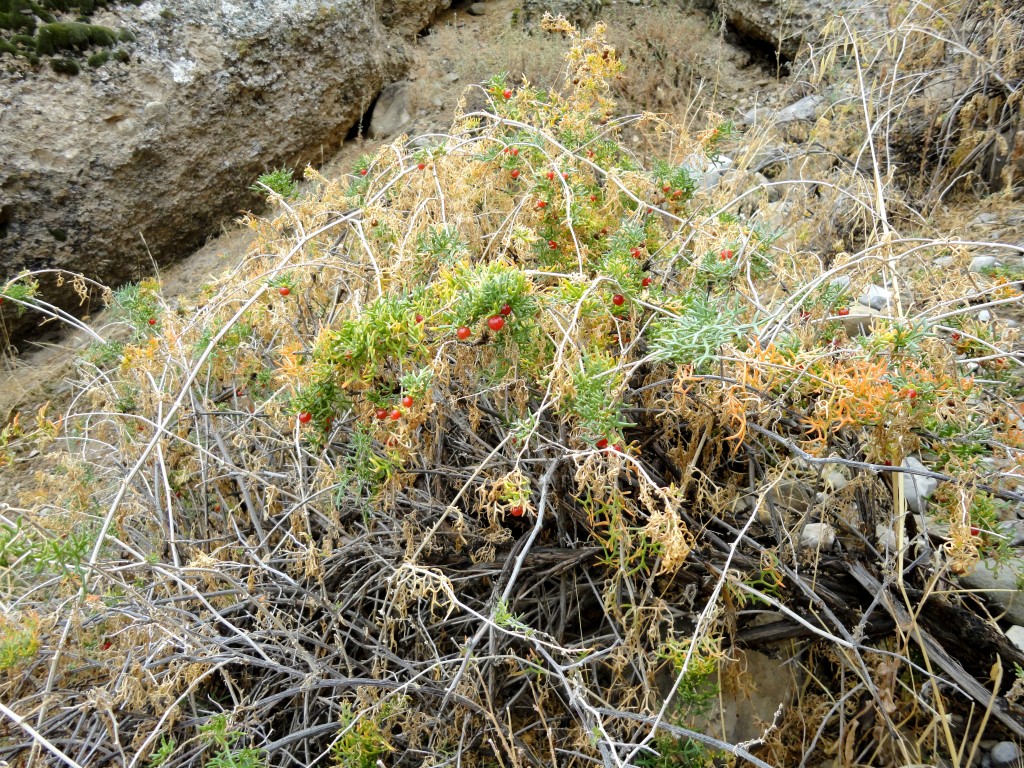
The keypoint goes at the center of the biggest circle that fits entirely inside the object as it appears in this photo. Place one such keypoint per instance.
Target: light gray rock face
(998, 584)
(784, 24)
(781, 23)
(102, 170)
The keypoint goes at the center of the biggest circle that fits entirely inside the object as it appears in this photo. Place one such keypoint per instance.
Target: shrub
(484, 443)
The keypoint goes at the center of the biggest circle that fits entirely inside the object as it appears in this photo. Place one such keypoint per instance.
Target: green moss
(122, 55)
(65, 66)
(98, 59)
(22, 35)
(58, 234)
(73, 35)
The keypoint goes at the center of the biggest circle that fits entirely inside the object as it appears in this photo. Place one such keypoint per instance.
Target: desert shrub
(491, 450)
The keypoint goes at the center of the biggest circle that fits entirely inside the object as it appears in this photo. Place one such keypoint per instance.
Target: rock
(834, 479)
(391, 112)
(477, 9)
(580, 12)
(978, 263)
(916, 488)
(1005, 754)
(985, 316)
(875, 297)
(945, 261)
(1015, 635)
(714, 170)
(806, 109)
(859, 322)
(998, 584)
(985, 218)
(885, 537)
(784, 25)
(451, 77)
(150, 157)
(818, 536)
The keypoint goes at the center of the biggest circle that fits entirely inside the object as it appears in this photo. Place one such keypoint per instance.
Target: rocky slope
(215, 94)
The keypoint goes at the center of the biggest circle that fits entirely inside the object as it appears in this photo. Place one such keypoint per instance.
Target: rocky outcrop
(130, 164)
(783, 24)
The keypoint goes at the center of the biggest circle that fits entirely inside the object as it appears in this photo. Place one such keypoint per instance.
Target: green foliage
(63, 66)
(280, 182)
(223, 741)
(696, 336)
(18, 642)
(73, 35)
(137, 304)
(678, 753)
(361, 742)
(162, 753)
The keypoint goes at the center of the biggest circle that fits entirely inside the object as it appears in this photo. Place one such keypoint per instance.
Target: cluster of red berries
(494, 322)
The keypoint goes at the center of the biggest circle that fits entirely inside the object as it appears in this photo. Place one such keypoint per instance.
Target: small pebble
(1005, 754)
(818, 536)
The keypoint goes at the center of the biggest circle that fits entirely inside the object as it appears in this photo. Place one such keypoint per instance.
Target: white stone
(818, 536)
(979, 263)
(875, 297)
(834, 479)
(985, 316)
(1005, 754)
(885, 536)
(916, 488)
(945, 261)
(1015, 635)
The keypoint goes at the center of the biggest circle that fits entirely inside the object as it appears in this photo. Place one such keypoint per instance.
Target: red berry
(726, 254)
(515, 173)
(505, 310)
(382, 413)
(421, 166)
(105, 646)
(542, 204)
(617, 448)
(507, 93)
(666, 189)
(551, 175)
(565, 176)
(305, 417)
(646, 282)
(956, 337)
(843, 311)
(463, 332)
(419, 318)
(152, 321)
(407, 401)
(496, 322)
(975, 530)
(552, 245)
(635, 253)
(284, 290)
(593, 198)
(602, 444)
(516, 511)
(911, 393)
(396, 415)
(515, 151)
(618, 299)
(805, 315)
(363, 172)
